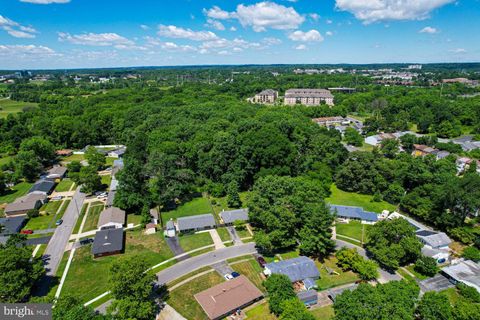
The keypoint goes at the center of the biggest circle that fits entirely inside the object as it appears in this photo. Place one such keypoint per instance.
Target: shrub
(426, 266)
(468, 292)
(471, 253)
(32, 213)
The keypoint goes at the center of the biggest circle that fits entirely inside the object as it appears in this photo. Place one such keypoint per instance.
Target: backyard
(344, 198)
(260, 312)
(196, 206)
(252, 270)
(328, 280)
(17, 191)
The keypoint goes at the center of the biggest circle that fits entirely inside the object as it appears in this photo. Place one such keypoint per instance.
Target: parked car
(59, 222)
(26, 231)
(228, 276)
(86, 241)
(57, 198)
(102, 196)
(261, 261)
(235, 274)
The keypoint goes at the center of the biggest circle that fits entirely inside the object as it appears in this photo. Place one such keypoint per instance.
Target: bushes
(468, 293)
(426, 266)
(350, 259)
(471, 253)
(463, 234)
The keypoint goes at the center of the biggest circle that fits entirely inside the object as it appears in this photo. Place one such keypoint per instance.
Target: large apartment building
(268, 96)
(308, 97)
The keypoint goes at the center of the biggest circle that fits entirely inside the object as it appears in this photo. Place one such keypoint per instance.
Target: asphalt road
(56, 247)
(184, 267)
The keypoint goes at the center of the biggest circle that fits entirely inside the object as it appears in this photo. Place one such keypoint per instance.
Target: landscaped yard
(357, 200)
(9, 106)
(194, 241)
(333, 280)
(354, 229)
(182, 299)
(15, 192)
(92, 217)
(323, 313)
(40, 223)
(252, 270)
(221, 203)
(260, 312)
(51, 207)
(64, 185)
(88, 277)
(243, 233)
(196, 206)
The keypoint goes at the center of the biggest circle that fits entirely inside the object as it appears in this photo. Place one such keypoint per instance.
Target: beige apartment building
(308, 97)
(268, 96)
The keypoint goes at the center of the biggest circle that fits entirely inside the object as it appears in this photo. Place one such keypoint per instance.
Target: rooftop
(12, 224)
(43, 186)
(353, 212)
(466, 271)
(109, 240)
(296, 269)
(196, 222)
(308, 93)
(111, 215)
(267, 92)
(233, 215)
(434, 239)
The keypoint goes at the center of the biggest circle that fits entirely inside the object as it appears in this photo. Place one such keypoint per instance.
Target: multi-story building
(308, 97)
(268, 96)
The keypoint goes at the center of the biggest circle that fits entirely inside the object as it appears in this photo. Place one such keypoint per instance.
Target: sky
(51, 34)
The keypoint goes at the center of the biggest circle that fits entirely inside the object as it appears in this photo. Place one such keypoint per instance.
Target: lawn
(252, 270)
(51, 207)
(419, 276)
(16, 192)
(109, 161)
(357, 200)
(63, 209)
(182, 299)
(243, 233)
(106, 179)
(221, 203)
(92, 217)
(88, 277)
(453, 296)
(405, 275)
(323, 313)
(74, 157)
(64, 185)
(80, 218)
(329, 281)
(190, 242)
(196, 206)
(260, 312)
(224, 235)
(40, 223)
(352, 230)
(9, 106)
(134, 218)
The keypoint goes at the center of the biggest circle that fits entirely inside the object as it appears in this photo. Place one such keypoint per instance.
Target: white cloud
(15, 29)
(380, 10)
(314, 16)
(232, 28)
(98, 39)
(271, 41)
(144, 27)
(309, 36)
(429, 30)
(458, 50)
(181, 33)
(329, 33)
(215, 24)
(20, 51)
(301, 47)
(18, 33)
(45, 1)
(175, 47)
(328, 21)
(260, 16)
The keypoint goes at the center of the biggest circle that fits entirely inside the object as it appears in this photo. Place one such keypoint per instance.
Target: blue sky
(110, 33)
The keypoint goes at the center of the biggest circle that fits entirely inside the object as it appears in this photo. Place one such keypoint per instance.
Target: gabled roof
(12, 224)
(111, 215)
(44, 186)
(267, 92)
(466, 271)
(232, 215)
(353, 212)
(109, 240)
(308, 295)
(296, 269)
(57, 171)
(25, 203)
(196, 222)
(434, 239)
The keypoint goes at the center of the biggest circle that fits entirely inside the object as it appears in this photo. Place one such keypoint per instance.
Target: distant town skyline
(88, 34)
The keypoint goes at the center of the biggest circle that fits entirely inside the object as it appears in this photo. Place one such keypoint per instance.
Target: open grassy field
(8, 106)
(354, 229)
(260, 312)
(92, 218)
(196, 206)
(252, 270)
(74, 157)
(323, 313)
(357, 200)
(15, 192)
(182, 300)
(194, 241)
(333, 280)
(88, 277)
(64, 185)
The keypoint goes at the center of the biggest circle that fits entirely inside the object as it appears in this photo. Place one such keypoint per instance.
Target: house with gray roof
(11, 225)
(24, 204)
(229, 217)
(42, 186)
(108, 242)
(198, 222)
(111, 218)
(56, 172)
(467, 272)
(296, 269)
(433, 239)
(308, 297)
(355, 213)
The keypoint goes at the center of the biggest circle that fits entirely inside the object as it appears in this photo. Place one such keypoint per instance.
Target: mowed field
(8, 106)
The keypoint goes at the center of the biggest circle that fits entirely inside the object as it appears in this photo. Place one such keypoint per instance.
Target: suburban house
(308, 97)
(56, 172)
(421, 150)
(354, 213)
(330, 121)
(117, 153)
(42, 187)
(226, 298)
(111, 218)
(24, 204)
(463, 163)
(64, 152)
(308, 297)
(433, 239)
(296, 269)
(198, 222)
(108, 242)
(112, 191)
(467, 143)
(334, 292)
(377, 139)
(170, 231)
(229, 217)
(11, 225)
(440, 255)
(268, 96)
(467, 272)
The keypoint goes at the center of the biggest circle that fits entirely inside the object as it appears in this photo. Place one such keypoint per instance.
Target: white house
(111, 218)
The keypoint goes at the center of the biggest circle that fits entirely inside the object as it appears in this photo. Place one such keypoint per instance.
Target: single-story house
(24, 204)
(64, 152)
(42, 186)
(433, 239)
(467, 272)
(356, 213)
(117, 153)
(229, 217)
(111, 218)
(56, 172)
(198, 222)
(107, 242)
(440, 255)
(308, 297)
(226, 298)
(12, 225)
(296, 269)
(170, 231)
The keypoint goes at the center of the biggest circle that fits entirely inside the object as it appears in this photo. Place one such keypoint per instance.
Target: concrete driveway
(234, 235)
(222, 268)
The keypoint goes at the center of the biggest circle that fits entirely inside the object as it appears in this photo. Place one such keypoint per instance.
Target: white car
(228, 276)
(102, 196)
(57, 198)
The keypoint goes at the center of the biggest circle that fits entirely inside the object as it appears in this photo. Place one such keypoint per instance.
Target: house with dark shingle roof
(42, 186)
(11, 225)
(296, 269)
(108, 242)
(198, 222)
(229, 217)
(355, 213)
(24, 204)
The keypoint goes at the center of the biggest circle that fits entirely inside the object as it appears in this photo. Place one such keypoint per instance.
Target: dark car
(235, 274)
(261, 261)
(86, 241)
(59, 222)
(26, 231)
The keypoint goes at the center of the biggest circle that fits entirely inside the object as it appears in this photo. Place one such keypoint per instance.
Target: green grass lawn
(243, 233)
(224, 235)
(418, 275)
(51, 207)
(405, 275)
(196, 206)
(134, 218)
(323, 313)
(88, 277)
(289, 254)
(221, 203)
(109, 161)
(74, 157)
(260, 312)
(64, 185)
(329, 281)
(193, 241)
(16, 192)
(40, 223)
(63, 209)
(252, 270)
(106, 180)
(182, 299)
(92, 217)
(353, 230)
(358, 200)
(9, 106)
(80, 218)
